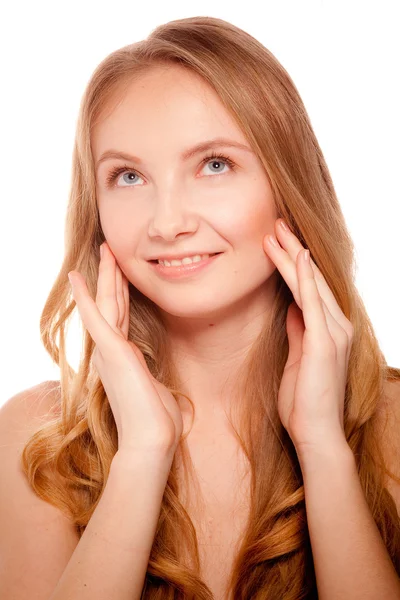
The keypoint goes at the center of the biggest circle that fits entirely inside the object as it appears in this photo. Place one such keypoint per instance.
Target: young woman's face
(164, 204)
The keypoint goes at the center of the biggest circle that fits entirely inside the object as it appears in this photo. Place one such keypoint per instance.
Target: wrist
(323, 457)
(128, 459)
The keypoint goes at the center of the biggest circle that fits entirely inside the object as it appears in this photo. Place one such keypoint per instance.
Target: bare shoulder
(37, 539)
(389, 423)
(34, 405)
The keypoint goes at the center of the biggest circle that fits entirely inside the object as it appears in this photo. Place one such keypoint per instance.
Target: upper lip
(180, 256)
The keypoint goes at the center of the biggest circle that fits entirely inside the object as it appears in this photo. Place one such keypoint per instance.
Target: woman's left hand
(312, 390)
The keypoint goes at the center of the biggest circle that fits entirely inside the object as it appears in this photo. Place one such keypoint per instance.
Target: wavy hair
(67, 461)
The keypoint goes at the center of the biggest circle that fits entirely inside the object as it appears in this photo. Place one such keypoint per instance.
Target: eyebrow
(186, 154)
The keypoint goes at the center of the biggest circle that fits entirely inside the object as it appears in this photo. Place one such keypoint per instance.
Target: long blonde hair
(67, 462)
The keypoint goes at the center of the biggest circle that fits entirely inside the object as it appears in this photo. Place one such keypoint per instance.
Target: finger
(285, 264)
(119, 296)
(125, 289)
(97, 326)
(325, 332)
(290, 272)
(315, 316)
(293, 246)
(106, 288)
(289, 269)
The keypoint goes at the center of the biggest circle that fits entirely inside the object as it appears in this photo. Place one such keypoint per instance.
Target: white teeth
(185, 261)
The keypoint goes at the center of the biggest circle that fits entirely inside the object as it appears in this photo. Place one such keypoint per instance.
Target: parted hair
(67, 460)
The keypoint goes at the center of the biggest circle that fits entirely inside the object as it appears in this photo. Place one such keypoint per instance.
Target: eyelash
(125, 169)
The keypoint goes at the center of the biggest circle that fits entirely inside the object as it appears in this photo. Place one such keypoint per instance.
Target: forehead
(166, 104)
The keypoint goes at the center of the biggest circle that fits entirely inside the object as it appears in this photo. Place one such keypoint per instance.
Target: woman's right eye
(112, 176)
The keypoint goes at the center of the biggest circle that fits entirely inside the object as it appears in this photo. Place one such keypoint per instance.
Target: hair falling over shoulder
(67, 462)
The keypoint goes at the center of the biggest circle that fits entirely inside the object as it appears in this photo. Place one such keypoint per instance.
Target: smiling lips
(191, 255)
(182, 270)
(187, 260)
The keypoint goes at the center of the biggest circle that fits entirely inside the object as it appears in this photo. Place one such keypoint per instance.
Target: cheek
(248, 217)
(121, 232)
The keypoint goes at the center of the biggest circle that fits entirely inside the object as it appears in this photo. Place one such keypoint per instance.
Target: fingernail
(283, 225)
(272, 241)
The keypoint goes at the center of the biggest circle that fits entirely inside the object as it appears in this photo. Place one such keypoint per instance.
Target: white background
(344, 58)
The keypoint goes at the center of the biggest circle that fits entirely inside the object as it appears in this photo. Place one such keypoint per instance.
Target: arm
(351, 561)
(111, 558)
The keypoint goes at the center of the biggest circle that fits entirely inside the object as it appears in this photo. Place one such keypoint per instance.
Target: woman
(195, 142)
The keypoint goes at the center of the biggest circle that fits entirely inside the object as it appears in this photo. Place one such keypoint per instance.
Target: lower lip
(183, 271)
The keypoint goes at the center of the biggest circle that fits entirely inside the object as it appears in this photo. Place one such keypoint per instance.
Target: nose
(172, 218)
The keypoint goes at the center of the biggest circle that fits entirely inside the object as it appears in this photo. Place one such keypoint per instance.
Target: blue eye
(218, 158)
(117, 171)
(214, 157)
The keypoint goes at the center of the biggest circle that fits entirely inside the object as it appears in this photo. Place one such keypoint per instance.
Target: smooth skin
(311, 395)
(145, 412)
(157, 201)
(312, 390)
(163, 200)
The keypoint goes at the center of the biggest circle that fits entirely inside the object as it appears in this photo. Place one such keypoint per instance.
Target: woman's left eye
(219, 158)
(213, 158)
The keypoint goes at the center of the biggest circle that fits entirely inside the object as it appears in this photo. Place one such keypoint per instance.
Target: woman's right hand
(146, 414)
